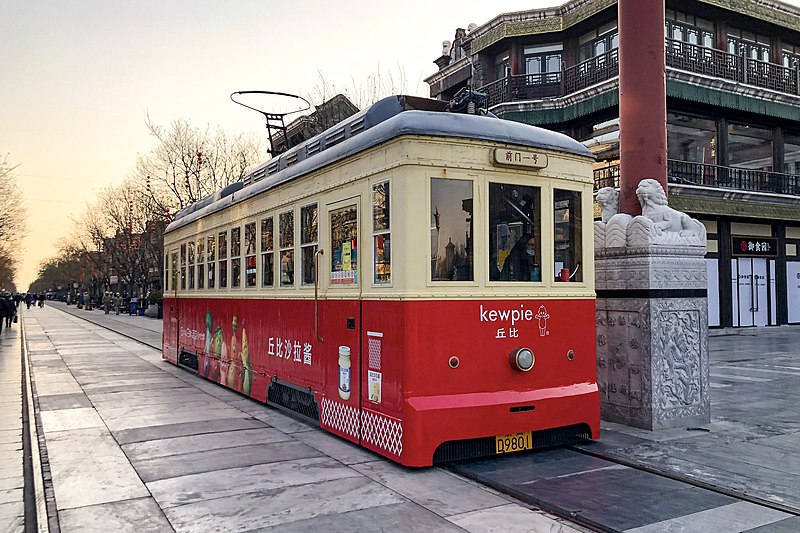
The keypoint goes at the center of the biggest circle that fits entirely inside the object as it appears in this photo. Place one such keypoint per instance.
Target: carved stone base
(652, 337)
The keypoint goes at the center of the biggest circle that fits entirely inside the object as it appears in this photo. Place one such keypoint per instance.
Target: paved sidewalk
(136, 444)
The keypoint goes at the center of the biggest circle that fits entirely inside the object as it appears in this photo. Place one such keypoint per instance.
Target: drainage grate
(292, 398)
(456, 450)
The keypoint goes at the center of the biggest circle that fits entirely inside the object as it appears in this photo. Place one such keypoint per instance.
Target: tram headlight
(522, 359)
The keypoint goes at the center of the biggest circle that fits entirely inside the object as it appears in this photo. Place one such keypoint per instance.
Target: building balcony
(714, 177)
(680, 55)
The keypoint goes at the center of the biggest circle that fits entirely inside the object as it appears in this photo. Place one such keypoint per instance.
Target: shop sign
(754, 247)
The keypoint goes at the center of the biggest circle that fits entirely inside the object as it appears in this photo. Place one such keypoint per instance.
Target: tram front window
(515, 228)
(451, 230)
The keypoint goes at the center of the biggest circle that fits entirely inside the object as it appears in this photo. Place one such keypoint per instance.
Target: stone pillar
(652, 318)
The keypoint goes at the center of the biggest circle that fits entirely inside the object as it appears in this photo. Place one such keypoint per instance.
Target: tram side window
(201, 263)
(236, 258)
(183, 266)
(250, 254)
(381, 237)
(267, 255)
(515, 228)
(211, 258)
(308, 240)
(286, 228)
(190, 250)
(568, 239)
(451, 230)
(222, 258)
(344, 245)
(174, 271)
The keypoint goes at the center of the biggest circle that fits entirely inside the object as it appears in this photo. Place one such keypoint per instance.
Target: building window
(308, 241)
(692, 139)
(543, 64)
(286, 228)
(689, 29)
(211, 258)
(267, 255)
(222, 256)
(749, 147)
(381, 235)
(502, 66)
(791, 156)
(568, 242)
(598, 41)
(451, 230)
(514, 233)
(747, 44)
(790, 56)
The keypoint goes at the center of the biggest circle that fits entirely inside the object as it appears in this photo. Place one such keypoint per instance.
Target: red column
(642, 98)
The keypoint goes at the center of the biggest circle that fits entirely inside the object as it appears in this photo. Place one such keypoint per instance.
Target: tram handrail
(316, 294)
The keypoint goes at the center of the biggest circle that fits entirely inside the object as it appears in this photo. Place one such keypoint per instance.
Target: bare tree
(12, 223)
(190, 163)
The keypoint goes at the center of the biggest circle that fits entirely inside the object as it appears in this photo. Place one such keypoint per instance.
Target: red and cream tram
(420, 282)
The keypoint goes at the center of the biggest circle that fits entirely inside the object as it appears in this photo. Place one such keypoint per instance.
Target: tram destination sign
(519, 158)
(754, 247)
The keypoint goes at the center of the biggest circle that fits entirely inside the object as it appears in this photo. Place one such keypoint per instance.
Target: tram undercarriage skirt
(293, 399)
(457, 450)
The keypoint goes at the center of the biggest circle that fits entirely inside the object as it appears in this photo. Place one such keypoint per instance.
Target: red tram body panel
(406, 399)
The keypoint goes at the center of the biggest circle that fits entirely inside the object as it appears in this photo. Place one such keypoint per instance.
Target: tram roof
(391, 117)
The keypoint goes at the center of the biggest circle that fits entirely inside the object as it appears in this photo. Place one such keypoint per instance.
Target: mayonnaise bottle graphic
(344, 372)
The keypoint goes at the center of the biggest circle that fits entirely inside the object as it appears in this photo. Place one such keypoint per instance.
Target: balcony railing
(719, 64)
(713, 176)
(679, 55)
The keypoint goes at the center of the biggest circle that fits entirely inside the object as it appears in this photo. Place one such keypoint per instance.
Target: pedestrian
(7, 309)
(41, 299)
(117, 303)
(106, 302)
(28, 300)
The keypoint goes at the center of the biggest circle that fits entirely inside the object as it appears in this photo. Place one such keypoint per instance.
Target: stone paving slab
(88, 468)
(283, 506)
(183, 429)
(739, 516)
(207, 441)
(196, 488)
(213, 460)
(510, 518)
(436, 490)
(126, 516)
(385, 518)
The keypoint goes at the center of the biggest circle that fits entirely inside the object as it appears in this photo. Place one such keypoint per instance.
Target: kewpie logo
(542, 317)
(504, 315)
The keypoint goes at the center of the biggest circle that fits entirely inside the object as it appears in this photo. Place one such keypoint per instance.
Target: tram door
(341, 311)
(171, 315)
(753, 291)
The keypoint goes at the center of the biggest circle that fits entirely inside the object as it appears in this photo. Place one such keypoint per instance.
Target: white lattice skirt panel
(382, 431)
(340, 417)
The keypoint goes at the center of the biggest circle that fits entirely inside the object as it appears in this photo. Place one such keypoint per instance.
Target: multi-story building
(733, 123)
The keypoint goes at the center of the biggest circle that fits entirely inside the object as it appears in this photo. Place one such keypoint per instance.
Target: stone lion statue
(608, 200)
(665, 219)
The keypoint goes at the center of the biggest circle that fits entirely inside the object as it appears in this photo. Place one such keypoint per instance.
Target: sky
(78, 77)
